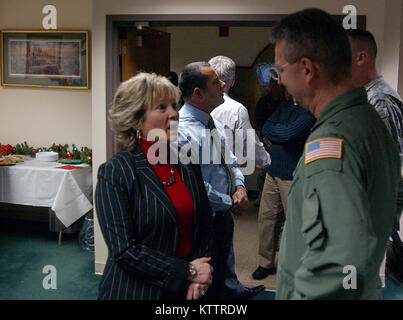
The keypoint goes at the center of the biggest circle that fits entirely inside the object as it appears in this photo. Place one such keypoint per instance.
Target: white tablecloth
(36, 183)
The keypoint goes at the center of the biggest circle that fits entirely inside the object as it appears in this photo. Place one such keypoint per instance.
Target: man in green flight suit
(342, 200)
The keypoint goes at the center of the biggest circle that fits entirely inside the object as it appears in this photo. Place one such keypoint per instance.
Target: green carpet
(393, 290)
(26, 247)
(265, 295)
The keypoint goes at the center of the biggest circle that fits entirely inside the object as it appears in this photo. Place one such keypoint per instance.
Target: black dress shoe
(261, 273)
(251, 292)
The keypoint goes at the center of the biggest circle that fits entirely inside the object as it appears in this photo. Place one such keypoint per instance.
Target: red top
(181, 199)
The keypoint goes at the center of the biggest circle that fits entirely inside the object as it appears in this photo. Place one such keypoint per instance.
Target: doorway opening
(164, 43)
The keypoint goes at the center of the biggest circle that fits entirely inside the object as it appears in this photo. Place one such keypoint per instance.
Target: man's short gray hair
(224, 67)
(314, 34)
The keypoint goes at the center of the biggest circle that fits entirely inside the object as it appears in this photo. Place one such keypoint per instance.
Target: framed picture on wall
(49, 59)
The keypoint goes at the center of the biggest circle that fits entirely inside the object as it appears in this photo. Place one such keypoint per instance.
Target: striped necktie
(219, 145)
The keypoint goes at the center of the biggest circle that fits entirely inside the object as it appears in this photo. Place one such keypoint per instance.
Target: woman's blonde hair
(132, 99)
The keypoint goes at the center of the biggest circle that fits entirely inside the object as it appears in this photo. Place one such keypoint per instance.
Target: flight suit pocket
(312, 226)
(321, 165)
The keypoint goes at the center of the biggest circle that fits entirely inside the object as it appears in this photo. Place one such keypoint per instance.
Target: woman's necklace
(172, 180)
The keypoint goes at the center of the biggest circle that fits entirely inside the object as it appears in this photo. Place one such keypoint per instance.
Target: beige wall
(189, 44)
(37, 115)
(373, 9)
(392, 41)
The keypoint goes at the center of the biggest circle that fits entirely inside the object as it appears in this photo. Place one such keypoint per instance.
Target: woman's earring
(136, 133)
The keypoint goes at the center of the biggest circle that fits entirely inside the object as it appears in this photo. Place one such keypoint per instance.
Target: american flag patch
(323, 148)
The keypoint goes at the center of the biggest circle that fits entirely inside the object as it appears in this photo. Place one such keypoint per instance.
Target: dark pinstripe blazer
(139, 225)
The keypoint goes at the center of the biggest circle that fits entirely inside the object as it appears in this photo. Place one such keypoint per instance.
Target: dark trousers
(223, 231)
(399, 208)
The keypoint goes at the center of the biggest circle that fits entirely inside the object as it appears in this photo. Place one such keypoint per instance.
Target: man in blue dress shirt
(202, 91)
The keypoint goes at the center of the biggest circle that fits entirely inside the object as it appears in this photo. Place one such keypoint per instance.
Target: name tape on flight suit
(323, 148)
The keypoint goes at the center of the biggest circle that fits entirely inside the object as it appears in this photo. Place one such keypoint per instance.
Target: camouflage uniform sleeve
(390, 111)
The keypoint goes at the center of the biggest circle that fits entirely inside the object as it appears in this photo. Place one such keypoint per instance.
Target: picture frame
(45, 59)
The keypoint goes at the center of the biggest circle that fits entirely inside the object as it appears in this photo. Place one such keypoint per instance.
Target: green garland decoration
(84, 154)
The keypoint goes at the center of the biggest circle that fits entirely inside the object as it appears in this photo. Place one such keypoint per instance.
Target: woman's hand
(195, 291)
(203, 271)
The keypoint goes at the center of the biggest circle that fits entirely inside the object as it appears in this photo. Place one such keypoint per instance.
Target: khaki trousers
(272, 209)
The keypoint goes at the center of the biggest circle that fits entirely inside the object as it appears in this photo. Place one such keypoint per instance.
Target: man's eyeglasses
(275, 72)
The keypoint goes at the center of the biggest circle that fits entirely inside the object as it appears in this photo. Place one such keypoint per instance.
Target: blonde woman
(155, 218)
